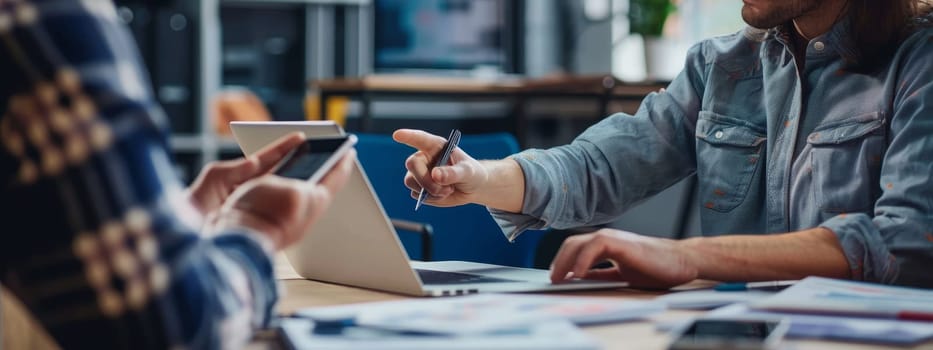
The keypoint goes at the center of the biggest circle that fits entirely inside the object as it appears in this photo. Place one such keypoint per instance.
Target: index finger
(271, 154)
(419, 140)
(565, 258)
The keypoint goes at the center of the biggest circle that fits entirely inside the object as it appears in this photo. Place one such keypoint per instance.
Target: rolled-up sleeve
(615, 163)
(896, 244)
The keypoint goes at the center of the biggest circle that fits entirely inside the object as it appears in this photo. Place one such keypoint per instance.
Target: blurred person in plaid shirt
(100, 241)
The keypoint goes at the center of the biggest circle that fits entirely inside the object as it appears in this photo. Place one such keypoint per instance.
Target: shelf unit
(195, 148)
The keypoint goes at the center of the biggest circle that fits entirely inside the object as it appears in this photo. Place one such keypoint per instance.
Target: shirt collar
(836, 41)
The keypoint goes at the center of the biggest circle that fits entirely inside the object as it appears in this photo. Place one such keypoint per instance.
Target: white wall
(694, 20)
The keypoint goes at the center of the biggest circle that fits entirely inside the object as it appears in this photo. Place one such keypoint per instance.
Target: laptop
(355, 244)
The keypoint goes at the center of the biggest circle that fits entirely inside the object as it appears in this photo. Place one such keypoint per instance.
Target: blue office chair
(462, 233)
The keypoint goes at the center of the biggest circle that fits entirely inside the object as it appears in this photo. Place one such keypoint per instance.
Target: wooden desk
(602, 89)
(20, 332)
(300, 293)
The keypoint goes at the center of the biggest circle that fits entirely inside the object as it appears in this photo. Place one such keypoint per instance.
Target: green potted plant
(647, 18)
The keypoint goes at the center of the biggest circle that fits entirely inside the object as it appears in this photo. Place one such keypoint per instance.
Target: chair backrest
(462, 233)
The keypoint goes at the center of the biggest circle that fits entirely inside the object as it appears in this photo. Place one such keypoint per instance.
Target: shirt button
(718, 134)
(819, 46)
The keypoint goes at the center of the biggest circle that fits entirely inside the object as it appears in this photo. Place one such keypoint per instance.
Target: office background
(276, 49)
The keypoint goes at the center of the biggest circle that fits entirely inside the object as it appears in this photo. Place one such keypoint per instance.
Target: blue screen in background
(440, 34)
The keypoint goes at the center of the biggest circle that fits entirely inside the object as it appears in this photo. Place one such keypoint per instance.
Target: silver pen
(452, 141)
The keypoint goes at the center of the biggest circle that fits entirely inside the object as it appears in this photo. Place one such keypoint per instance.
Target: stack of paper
(484, 312)
(507, 321)
(837, 297)
(843, 310)
(551, 335)
(852, 329)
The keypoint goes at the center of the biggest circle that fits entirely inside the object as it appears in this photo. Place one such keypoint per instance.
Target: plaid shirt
(90, 240)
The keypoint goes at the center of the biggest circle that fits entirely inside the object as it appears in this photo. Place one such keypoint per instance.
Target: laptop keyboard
(445, 277)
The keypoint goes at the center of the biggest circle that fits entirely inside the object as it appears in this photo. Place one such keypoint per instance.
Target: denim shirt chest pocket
(729, 151)
(846, 162)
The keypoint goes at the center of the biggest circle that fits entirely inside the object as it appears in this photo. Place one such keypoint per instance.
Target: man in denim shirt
(811, 141)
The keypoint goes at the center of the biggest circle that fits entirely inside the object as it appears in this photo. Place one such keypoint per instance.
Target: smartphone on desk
(314, 157)
(732, 334)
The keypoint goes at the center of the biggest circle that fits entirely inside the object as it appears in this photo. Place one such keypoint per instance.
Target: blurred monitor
(445, 36)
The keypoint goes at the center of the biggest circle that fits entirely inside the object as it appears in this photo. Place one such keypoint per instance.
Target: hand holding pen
(441, 159)
(438, 181)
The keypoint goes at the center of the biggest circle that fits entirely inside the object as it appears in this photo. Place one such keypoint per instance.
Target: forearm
(505, 187)
(759, 258)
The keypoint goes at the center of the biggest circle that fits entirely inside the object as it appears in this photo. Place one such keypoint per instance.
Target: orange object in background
(236, 105)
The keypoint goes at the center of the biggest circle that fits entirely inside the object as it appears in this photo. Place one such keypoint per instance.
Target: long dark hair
(879, 26)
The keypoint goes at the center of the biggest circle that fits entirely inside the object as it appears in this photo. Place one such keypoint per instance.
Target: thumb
(238, 171)
(226, 174)
(449, 175)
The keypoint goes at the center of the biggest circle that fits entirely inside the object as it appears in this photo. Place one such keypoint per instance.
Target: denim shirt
(775, 149)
